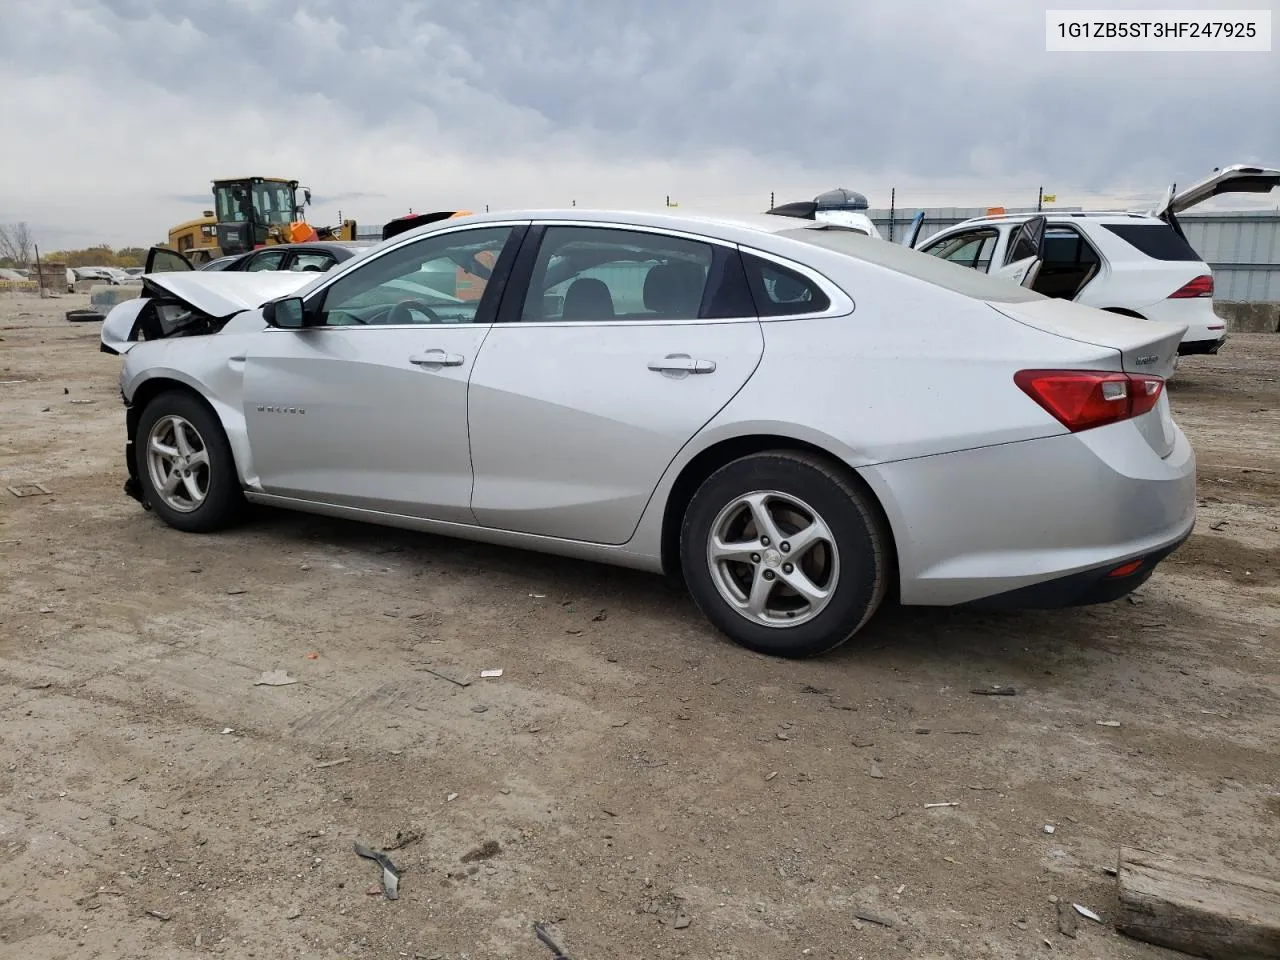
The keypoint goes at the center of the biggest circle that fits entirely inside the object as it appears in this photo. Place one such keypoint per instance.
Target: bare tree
(16, 242)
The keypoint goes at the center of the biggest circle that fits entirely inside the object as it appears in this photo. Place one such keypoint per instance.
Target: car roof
(1064, 216)
(729, 228)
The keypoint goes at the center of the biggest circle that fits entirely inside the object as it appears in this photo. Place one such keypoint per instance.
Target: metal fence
(1241, 247)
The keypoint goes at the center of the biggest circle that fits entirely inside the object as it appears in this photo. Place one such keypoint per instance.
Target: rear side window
(1156, 240)
(781, 292)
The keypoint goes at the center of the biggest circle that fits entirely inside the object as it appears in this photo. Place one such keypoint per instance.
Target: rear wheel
(185, 464)
(784, 554)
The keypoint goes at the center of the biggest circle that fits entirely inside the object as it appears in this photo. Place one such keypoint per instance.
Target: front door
(366, 405)
(623, 346)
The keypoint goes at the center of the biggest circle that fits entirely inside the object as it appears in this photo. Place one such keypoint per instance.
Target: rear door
(1024, 253)
(613, 348)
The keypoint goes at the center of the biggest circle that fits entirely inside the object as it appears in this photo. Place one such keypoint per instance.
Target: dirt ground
(631, 777)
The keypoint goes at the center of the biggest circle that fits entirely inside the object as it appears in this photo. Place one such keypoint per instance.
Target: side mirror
(286, 314)
(306, 195)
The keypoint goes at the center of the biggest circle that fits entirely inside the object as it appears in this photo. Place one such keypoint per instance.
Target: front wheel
(185, 464)
(784, 554)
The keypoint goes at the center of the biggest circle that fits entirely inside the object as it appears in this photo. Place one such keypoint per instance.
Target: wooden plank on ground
(1219, 914)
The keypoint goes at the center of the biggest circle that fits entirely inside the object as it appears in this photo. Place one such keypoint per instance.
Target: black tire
(223, 502)
(858, 532)
(85, 316)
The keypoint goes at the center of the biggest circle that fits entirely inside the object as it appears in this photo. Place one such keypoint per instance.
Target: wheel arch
(707, 461)
(148, 389)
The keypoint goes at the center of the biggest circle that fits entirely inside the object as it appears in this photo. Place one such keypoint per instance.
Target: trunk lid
(1142, 347)
(1237, 178)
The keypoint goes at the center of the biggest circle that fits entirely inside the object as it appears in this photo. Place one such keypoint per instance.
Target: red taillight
(1083, 399)
(1199, 287)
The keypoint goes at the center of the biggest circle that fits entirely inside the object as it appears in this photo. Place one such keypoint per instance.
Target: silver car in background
(797, 420)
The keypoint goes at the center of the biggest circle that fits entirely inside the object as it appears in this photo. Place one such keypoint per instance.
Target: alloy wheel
(773, 558)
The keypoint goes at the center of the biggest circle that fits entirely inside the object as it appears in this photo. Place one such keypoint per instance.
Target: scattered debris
(293, 913)
(491, 674)
(46, 609)
(922, 731)
(964, 733)
(159, 915)
(486, 851)
(325, 765)
(479, 708)
(390, 872)
(403, 839)
(770, 775)
(1086, 912)
(995, 691)
(1068, 925)
(681, 921)
(1049, 828)
(1107, 723)
(1219, 525)
(450, 798)
(875, 772)
(436, 673)
(275, 678)
(538, 596)
(543, 933)
(236, 591)
(29, 490)
(873, 918)
(948, 803)
(226, 730)
(84, 401)
(600, 617)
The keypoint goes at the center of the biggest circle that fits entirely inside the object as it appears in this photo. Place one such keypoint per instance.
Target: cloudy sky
(116, 114)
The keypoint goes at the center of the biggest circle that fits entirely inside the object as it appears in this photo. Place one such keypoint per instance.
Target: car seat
(587, 299)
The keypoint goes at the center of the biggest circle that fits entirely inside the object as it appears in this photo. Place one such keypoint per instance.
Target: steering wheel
(399, 314)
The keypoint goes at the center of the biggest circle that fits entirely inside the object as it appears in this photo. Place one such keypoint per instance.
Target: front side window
(439, 279)
(972, 248)
(595, 273)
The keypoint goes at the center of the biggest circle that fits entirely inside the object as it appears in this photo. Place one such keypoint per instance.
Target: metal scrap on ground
(275, 678)
(390, 872)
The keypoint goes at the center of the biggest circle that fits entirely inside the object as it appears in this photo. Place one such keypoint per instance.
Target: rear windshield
(1157, 240)
(913, 263)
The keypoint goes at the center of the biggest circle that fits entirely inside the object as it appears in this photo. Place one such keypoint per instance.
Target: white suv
(1136, 264)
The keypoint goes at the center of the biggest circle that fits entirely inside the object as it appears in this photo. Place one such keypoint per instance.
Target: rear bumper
(1038, 523)
(1207, 346)
(1098, 585)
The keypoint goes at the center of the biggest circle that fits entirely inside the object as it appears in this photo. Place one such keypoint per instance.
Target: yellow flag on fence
(1050, 197)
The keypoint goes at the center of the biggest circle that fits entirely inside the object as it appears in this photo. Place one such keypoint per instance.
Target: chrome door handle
(437, 358)
(681, 363)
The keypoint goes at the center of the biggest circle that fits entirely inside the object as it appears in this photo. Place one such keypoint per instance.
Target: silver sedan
(797, 420)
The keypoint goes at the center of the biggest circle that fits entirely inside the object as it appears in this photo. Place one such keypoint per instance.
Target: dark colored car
(315, 256)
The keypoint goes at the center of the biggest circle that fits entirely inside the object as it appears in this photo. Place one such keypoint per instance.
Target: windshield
(914, 263)
(270, 202)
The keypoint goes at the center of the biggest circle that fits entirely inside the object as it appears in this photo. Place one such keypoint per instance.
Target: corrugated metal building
(1241, 247)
